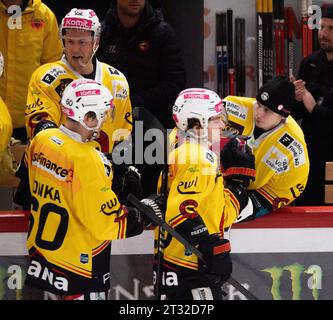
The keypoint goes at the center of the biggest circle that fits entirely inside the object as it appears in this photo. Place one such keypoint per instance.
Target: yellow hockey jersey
(74, 215)
(47, 85)
(27, 40)
(281, 156)
(195, 188)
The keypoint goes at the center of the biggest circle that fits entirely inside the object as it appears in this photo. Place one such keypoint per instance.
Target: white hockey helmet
(84, 95)
(197, 103)
(2, 63)
(82, 19)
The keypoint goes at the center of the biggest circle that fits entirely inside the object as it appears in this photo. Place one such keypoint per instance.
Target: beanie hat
(327, 11)
(278, 95)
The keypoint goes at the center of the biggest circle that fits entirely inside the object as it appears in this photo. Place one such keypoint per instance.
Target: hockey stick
(230, 44)
(151, 122)
(260, 43)
(162, 224)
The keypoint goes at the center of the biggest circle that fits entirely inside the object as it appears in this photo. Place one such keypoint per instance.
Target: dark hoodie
(149, 56)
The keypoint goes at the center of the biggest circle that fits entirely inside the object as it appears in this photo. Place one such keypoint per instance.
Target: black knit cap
(327, 11)
(278, 95)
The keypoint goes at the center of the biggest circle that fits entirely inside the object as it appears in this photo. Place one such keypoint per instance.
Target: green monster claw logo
(296, 271)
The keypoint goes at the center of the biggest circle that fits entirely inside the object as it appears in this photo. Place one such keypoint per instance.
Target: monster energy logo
(296, 271)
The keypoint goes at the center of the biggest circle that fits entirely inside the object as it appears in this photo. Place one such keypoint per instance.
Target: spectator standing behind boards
(28, 39)
(277, 141)
(136, 40)
(314, 105)
(74, 212)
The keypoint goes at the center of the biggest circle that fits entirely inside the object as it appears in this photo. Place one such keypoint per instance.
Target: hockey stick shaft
(161, 223)
(151, 122)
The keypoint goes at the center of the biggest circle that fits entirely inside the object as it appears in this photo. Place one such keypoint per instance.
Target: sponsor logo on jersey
(53, 74)
(276, 160)
(48, 79)
(184, 186)
(57, 141)
(210, 157)
(84, 258)
(187, 209)
(286, 140)
(119, 91)
(295, 148)
(113, 71)
(62, 86)
(42, 272)
(108, 208)
(106, 162)
(236, 110)
(57, 71)
(39, 160)
(38, 104)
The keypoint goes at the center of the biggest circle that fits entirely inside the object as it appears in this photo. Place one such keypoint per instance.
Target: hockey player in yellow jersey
(74, 212)
(80, 33)
(277, 141)
(6, 129)
(199, 206)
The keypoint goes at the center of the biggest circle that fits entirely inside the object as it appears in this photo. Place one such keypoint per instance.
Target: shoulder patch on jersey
(53, 74)
(210, 157)
(236, 110)
(276, 160)
(106, 162)
(295, 148)
(119, 91)
(57, 141)
(113, 71)
(286, 140)
(62, 86)
(48, 79)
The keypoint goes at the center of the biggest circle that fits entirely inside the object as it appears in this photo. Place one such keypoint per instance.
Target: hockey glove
(126, 180)
(157, 204)
(238, 163)
(218, 264)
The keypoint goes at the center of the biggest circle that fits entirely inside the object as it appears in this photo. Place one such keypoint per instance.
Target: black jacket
(150, 58)
(317, 72)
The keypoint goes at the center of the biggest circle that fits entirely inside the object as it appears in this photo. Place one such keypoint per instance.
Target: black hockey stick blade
(161, 223)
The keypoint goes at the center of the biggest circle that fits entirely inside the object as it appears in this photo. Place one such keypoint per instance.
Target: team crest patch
(187, 209)
(37, 24)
